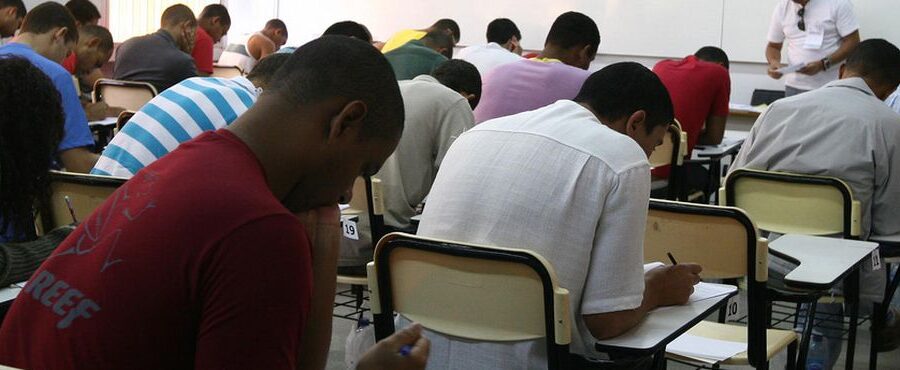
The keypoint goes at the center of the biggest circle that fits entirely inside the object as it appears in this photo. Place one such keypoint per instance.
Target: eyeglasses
(801, 25)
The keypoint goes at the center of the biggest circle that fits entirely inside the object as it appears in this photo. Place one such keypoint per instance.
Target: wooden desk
(662, 326)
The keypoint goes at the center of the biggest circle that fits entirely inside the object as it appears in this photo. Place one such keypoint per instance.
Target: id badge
(814, 39)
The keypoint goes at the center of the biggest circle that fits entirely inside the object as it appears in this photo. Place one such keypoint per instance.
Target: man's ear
(841, 71)
(60, 34)
(349, 120)
(94, 42)
(636, 121)
(585, 55)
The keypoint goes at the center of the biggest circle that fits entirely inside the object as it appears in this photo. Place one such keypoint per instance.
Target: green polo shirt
(413, 59)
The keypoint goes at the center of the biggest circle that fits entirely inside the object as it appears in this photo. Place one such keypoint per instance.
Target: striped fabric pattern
(178, 114)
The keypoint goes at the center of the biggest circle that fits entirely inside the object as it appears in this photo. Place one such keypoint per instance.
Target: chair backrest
(469, 291)
(725, 242)
(130, 95)
(123, 119)
(673, 148)
(226, 71)
(761, 96)
(792, 203)
(85, 192)
(368, 199)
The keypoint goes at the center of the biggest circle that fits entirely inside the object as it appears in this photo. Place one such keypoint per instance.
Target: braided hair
(31, 127)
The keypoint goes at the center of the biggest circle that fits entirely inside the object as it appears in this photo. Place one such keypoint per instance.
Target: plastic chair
(130, 95)
(372, 205)
(671, 153)
(86, 192)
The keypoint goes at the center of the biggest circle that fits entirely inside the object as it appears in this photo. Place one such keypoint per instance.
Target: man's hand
(773, 72)
(812, 68)
(673, 285)
(385, 355)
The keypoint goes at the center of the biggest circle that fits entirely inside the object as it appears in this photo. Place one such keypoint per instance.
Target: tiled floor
(889, 360)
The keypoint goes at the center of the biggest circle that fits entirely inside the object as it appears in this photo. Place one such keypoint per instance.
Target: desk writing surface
(745, 110)
(731, 142)
(9, 293)
(108, 121)
(823, 261)
(663, 325)
(892, 239)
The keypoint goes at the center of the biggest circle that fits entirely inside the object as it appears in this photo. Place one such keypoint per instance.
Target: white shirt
(487, 57)
(560, 183)
(827, 23)
(893, 101)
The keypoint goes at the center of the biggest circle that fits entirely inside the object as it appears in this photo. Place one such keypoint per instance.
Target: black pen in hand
(672, 259)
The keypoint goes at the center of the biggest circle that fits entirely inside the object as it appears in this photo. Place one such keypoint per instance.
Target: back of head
(276, 24)
(101, 33)
(438, 40)
(18, 4)
(84, 11)
(262, 73)
(349, 29)
(573, 29)
(713, 54)
(501, 30)
(31, 127)
(342, 67)
(176, 15)
(448, 24)
(878, 62)
(621, 89)
(216, 10)
(460, 76)
(49, 16)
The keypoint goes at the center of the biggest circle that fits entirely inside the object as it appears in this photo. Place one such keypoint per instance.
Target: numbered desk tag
(876, 260)
(350, 229)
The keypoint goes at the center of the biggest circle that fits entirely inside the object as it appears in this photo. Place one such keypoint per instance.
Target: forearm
(714, 131)
(773, 54)
(313, 353)
(78, 160)
(613, 324)
(848, 44)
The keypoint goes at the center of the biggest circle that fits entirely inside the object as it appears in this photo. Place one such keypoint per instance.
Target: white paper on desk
(791, 68)
(704, 291)
(343, 206)
(705, 349)
(747, 107)
(108, 121)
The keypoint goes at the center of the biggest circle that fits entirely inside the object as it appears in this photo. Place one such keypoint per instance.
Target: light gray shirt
(893, 101)
(841, 130)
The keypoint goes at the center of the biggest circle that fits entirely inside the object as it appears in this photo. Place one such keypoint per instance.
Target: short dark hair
(177, 14)
(621, 89)
(349, 29)
(47, 16)
(448, 24)
(100, 32)
(340, 66)
(276, 24)
(18, 4)
(572, 29)
(216, 10)
(262, 73)
(714, 55)
(460, 75)
(876, 60)
(442, 40)
(501, 30)
(84, 11)
(31, 127)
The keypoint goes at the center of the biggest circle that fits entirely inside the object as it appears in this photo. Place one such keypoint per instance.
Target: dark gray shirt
(154, 58)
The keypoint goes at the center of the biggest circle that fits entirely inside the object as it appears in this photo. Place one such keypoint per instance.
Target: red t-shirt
(193, 263)
(70, 63)
(699, 90)
(203, 51)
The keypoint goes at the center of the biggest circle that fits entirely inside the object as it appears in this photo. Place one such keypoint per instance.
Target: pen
(672, 258)
(405, 350)
(71, 209)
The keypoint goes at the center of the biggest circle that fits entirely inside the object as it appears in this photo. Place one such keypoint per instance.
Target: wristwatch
(826, 62)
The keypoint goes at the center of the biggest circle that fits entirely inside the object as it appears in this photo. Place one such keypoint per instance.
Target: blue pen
(405, 350)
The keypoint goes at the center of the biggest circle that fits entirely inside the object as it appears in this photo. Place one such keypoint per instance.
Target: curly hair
(31, 127)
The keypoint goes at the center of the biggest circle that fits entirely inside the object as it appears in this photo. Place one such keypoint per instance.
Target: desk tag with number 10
(876, 260)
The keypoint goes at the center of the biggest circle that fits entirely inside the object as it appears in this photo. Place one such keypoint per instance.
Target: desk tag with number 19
(351, 231)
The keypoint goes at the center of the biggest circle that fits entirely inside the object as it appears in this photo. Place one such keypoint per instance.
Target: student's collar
(168, 36)
(426, 78)
(856, 83)
(546, 60)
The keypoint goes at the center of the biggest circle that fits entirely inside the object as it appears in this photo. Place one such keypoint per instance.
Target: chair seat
(352, 280)
(776, 340)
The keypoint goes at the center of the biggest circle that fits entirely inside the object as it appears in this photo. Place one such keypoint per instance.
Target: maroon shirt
(193, 263)
(699, 90)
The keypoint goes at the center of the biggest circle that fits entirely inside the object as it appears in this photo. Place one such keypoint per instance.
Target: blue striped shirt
(178, 114)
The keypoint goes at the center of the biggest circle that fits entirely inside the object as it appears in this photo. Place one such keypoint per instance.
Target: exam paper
(705, 349)
(791, 68)
(108, 121)
(702, 290)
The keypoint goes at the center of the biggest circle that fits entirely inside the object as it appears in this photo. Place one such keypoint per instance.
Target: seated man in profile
(260, 45)
(570, 182)
(94, 48)
(842, 130)
(503, 47)
(421, 57)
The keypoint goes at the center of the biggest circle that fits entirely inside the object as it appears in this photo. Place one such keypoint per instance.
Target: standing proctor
(819, 34)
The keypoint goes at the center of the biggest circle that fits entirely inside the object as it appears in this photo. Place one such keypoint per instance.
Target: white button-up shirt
(487, 57)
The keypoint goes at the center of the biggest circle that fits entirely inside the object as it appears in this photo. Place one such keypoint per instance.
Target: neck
(39, 43)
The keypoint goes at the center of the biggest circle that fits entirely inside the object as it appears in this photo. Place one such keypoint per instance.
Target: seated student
(557, 74)
(893, 101)
(213, 24)
(421, 56)
(11, 14)
(446, 26)
(94, 48)
(236, 217)
(265, 42)
(84, 11)
(503, 47)
(31, 126)
(162, 58)
(570, 182)
(49, 34)
(700, 87)
(205, 103)
(842, 130)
